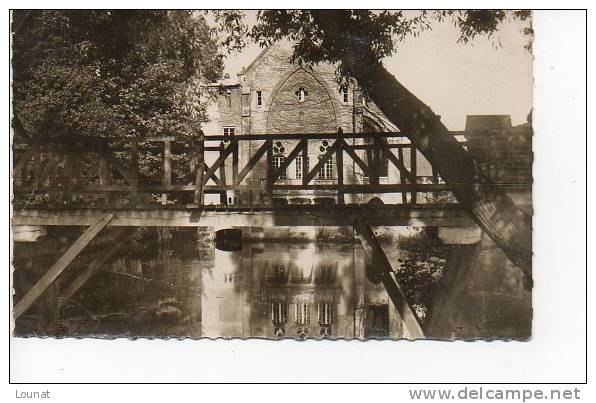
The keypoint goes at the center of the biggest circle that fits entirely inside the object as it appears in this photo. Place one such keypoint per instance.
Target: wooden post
(37, 170)
(270, 170)
(134, 180)
(237, 194)
(339, 163)
(68, 180)
(223, 196)
(373, 163)
(200, 170)
(413, 163)
(61, 264)
(104, 177)
(373, 249)
(400, 156)
(435, 175)
(305, 163)
(167, 169)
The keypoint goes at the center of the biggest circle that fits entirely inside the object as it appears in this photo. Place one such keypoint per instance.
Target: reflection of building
(223, 298)
(296, 291)
(274, 95)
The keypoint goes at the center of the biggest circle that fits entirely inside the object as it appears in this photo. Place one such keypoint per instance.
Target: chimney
(487, 122)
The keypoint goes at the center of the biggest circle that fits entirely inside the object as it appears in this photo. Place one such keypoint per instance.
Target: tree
(357, 41)
(113, 74)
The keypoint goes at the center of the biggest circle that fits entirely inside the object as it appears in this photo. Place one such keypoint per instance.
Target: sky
(454, 79)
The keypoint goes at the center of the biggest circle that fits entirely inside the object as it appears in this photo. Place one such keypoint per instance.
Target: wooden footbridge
(164, 181)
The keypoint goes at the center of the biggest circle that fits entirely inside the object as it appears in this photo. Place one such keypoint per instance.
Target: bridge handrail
(121, 156)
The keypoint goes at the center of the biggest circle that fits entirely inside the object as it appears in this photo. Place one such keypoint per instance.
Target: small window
(259, 98)
(301, 94)
(326, 170)
(229, 98)
(278, 161)
(229, 131)
(299, 162)
(344, 95)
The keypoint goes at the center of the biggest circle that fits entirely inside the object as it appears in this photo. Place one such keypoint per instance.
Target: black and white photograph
(174, 179)
(291, 179)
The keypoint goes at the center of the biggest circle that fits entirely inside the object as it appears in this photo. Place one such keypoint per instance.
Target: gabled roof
(259, 57)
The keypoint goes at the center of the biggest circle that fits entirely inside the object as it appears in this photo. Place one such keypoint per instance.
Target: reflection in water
(302, 290)
(177, 284)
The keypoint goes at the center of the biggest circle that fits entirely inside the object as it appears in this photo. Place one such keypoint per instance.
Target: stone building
(275, 96)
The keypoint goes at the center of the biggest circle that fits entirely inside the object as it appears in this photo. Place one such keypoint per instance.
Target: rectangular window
(278, 161)
(229, 131)
(259, 98)
(344, 94)
(299, 166)
(326, 170)
(302, 313)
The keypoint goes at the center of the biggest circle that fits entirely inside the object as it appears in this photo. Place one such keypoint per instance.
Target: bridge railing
(243, 170)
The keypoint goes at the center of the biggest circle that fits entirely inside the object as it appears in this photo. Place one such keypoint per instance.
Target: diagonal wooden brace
(98, 263)
(323, 159)
(253, 160)
(61, 264)
(411, 322)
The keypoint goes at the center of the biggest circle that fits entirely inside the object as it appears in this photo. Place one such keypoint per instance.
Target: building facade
(275, 96)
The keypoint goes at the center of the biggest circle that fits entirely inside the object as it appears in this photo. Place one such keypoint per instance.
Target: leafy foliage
(113, 74)
(355, 39)
(421, 269)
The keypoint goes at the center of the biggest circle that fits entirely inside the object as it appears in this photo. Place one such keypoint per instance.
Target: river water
(176, 283)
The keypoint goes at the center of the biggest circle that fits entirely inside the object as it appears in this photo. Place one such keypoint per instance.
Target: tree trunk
(489, 206)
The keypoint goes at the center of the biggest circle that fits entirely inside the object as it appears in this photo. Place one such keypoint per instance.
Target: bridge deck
(390, 215)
